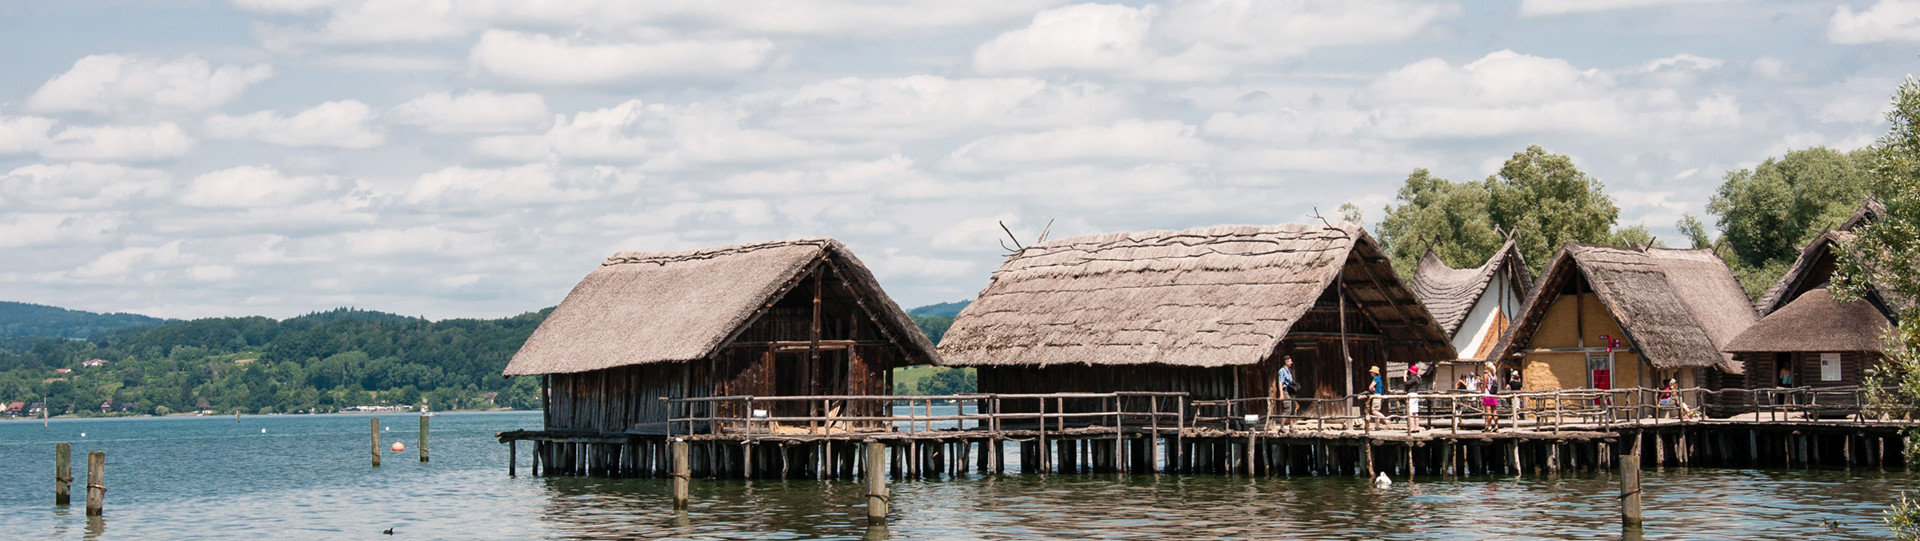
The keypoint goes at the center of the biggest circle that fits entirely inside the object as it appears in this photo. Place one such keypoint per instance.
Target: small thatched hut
(1210, 312)
(1804, 331)
(1474, 306)
(788, 318)
(1606, 317)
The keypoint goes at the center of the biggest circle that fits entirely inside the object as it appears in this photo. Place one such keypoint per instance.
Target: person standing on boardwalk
(1287, 386)
(1376, 388)
(1490, 386)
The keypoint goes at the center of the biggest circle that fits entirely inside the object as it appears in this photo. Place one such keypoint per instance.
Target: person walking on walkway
(1288, 388)
(1376, 390)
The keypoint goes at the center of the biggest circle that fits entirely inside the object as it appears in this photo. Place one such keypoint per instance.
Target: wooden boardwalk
(1448, 434)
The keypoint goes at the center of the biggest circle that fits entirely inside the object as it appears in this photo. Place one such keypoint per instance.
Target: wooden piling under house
(1210, 312)
(1475, 306)
(787, 318)
(1608, 317)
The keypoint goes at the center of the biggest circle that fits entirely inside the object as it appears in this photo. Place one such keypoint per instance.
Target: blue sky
(475, 159)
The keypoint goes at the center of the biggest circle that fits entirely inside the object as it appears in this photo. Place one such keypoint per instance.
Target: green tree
(1540, 196)
(1767, 213)
(1886, 260)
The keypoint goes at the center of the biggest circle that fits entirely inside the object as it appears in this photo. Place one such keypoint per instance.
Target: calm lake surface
(307, 477)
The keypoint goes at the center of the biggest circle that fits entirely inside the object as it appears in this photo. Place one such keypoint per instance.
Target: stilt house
(1804, 331)
(1474, 306)
(1605, 317)
(788, 318)
(1210, 312)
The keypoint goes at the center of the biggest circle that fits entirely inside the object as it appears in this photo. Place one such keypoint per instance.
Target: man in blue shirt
(1288, 387)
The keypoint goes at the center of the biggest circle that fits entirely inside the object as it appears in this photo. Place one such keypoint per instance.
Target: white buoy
(83, 434)
(1382, 481)
(263, 431)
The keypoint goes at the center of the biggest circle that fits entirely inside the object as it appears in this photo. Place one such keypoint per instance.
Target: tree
(1885, 259)
(1540, 196)
(1767, 213)
(1695, 231)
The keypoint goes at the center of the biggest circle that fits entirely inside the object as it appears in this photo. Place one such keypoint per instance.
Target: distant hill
(23, 319)
(945, 309)
(316, 319)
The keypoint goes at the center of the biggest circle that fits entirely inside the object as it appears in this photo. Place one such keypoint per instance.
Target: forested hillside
(23, 319)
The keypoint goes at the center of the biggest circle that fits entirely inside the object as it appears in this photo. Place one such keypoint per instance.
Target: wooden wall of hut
(771, 357)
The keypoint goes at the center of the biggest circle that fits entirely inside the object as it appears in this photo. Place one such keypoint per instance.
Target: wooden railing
(1149, 412)
(1157, 413)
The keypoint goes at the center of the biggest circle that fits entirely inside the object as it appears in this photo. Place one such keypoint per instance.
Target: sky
(477, 158)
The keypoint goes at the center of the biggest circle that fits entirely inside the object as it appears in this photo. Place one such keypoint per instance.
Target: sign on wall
(1829, 367)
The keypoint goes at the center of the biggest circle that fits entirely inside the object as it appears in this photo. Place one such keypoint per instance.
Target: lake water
(307, 477)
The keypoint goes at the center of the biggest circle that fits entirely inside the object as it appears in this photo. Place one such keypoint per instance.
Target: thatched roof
(1203, 297)
(1814, 267)
(1675, 306)
(640, 308)
(1450, 293)
(1816, 323)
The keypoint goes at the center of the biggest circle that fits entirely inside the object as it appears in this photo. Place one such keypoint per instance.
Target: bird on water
(1382, 481)
(388, 531)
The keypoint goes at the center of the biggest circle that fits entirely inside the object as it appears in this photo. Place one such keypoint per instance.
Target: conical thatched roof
(1675, 306)
(1202, 297)
(640, 308)
(1816, 323)
(1450, 293)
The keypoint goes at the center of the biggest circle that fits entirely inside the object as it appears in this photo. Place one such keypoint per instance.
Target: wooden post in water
(513, 456)
(423, 438)
(96, 482)
(376, 442)
(682, 473)
(1630, 490)
(877, 494)
(62, 473)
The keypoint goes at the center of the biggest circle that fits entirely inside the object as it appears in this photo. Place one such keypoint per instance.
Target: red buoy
(398, 447)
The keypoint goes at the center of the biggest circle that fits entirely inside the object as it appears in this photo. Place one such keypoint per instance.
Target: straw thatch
(1816, 323)
(641, 308)
(1202, 298)
(1451, 293)
(1675, 306)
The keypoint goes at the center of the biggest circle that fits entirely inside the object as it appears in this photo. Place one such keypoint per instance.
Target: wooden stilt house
(1475, 306)
(788, 318)
(1210, 312)
(1821, 342)
(1606, 317)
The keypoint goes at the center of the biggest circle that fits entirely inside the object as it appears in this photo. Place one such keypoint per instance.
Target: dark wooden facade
(815, 339)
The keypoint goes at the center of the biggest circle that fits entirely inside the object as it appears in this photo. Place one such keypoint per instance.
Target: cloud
(476, 111)
(375, 21)
(1129, 140)
(922, 106)
(82, 186)
(112, 83)
(1533, 8)
(1196, 39)
(340, 124)
(1885, 20)
(249, 187)
(662, 136)
(22, 135)
(545, 60)
(528, 184)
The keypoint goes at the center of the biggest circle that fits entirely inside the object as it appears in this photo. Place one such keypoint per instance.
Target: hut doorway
(796, 373)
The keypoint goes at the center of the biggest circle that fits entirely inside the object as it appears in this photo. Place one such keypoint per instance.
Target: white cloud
(1124, 140)
(340, 124)
(477, 111)
(545, 60)
(891, 175)
(27, 229)
(251, 187)
(536, 183)
(112, 83)
(211, 273)
(1885, 20)
(662, 136)
(22, 135)
(922, 106)
(1529, 8)
(83, 185)
(1196, 39)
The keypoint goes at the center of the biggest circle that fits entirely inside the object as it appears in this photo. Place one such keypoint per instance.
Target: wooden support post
(376, 442)
(877, 495)
(1367, 457)
(682, 473)
(62, 473)
(96, 482)
(1250, 449)
(423, 437)
(513, 456)
(1630, 490)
